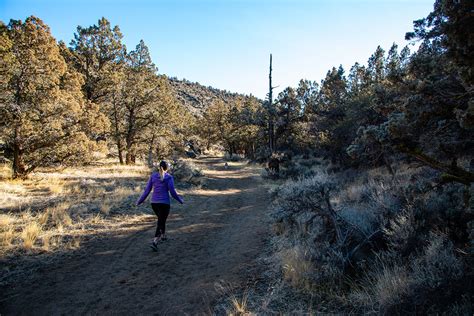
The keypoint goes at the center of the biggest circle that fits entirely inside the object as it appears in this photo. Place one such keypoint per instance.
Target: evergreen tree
(376, 65)
(148, 105)
(97, 54)
(44, 116)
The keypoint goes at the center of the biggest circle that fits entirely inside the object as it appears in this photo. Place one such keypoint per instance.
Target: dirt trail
(216, 236)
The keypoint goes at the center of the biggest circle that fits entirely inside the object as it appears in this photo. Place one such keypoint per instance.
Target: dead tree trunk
(271, 128)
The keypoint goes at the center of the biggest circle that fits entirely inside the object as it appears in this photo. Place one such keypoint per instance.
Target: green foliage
(97, 52)
(236, 125)
(145, 117)
(392, 230)
(397, 107)
(45, 119)
(373, 242)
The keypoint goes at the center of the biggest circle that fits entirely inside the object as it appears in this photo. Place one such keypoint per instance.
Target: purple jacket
(160, 189)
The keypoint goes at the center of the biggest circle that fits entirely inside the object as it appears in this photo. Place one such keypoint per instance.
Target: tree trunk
(130, 157)
(117, 133)
(150, 156)
(19, 169)
(120, 153)
(129, 160)
(271, 128)
(150, 151)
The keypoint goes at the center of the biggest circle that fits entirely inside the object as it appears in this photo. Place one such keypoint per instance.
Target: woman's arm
(146, 192)
(173, 191)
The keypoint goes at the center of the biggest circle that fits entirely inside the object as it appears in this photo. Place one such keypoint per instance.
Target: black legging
(161, 210)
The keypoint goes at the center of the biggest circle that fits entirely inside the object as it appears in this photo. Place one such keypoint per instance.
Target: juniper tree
(330, 110)
(290, 112)
(237, 125)
(150, 109)
(428, 114)
(45, 119)
(98, 53)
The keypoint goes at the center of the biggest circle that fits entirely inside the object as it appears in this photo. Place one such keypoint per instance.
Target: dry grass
(56, 185)
(47, 241)
(7, 235)
(5, 171)
(296, 266)
(49, 204)
(60, 216)
(7, 231)
(53, 212)
(122, 192)
(6, 220)
(390, 286)
(105, 207)
(30, 234)
(239, 305)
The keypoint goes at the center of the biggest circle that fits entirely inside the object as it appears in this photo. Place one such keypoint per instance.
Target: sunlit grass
(51, 203)
(5, 171)
(239, 305)
(6, 237)
(30, 234)
(56, 185)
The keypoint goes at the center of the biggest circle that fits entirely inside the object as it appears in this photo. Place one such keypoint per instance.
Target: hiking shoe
(164, 239)
(154, 246)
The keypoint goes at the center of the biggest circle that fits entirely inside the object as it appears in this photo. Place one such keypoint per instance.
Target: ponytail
(162, 169)
(162, 173)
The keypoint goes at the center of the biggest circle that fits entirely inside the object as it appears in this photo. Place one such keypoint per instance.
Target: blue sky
(226, 43)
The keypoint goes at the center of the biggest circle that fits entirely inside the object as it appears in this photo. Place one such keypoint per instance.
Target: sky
(226, 43)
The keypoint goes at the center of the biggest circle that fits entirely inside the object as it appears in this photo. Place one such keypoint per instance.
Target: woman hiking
(163, 184)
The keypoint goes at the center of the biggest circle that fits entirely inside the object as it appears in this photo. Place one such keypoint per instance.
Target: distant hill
(197, 97)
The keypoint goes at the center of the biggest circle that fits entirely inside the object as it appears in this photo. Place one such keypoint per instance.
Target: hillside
(197, 97)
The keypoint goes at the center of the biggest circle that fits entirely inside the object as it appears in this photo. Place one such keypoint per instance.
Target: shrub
(398, 286)
(372, 240)
(186, 171)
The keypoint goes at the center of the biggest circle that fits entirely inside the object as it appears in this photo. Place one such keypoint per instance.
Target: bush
(371, 242)
(187, 172)
(397, 286)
